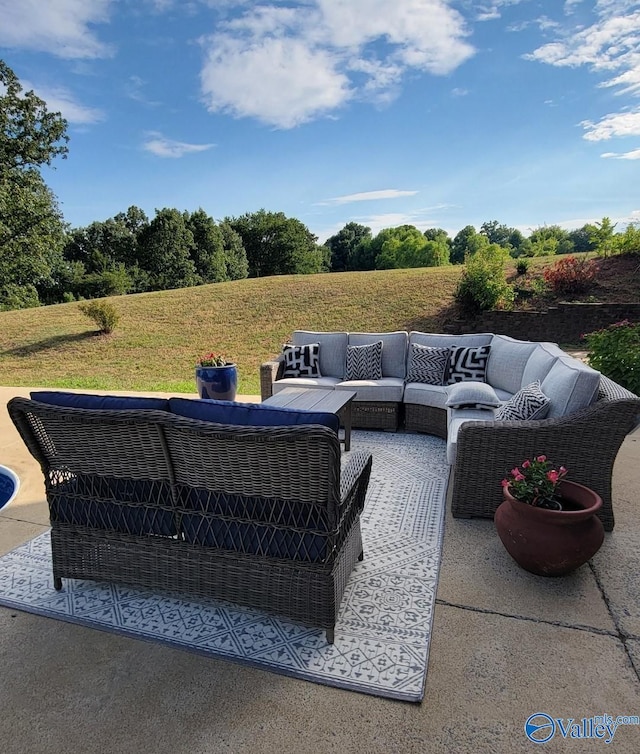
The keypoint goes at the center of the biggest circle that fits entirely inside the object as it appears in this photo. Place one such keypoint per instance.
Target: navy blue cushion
(249, 414)
(87, 400)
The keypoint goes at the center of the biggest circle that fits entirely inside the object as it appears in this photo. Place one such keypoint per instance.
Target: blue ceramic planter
(219, 383)
(9, 485)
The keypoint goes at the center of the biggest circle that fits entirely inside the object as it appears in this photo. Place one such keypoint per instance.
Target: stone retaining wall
(564, 323)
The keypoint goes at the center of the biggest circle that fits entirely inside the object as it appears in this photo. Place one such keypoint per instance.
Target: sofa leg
(361, 556)
(330, 635)
(57, 583)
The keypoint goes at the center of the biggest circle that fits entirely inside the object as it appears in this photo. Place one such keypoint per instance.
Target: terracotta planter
(552, 543)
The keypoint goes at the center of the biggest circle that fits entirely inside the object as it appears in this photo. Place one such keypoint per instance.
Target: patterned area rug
(382, 636)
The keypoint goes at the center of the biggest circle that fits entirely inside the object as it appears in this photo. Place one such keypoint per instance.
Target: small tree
(484, 283)
(102, 313)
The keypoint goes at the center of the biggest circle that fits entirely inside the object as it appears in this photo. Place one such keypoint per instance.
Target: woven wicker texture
(586, 442)
(261, 516)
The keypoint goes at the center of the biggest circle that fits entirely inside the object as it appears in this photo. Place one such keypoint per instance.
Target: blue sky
(437, 113)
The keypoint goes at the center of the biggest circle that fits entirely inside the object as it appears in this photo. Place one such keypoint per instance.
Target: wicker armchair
(586, 442)
(261, 516)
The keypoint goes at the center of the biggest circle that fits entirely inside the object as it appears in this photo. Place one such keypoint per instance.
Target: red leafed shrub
(570, 276)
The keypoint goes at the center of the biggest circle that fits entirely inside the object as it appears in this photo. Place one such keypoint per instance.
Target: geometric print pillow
(364, 362)
(468, 363)
(427, 364)
(528, 403)
(301, 361)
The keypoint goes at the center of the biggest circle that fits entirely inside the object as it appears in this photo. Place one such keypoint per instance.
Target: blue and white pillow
(528, 403)
(301, 361)
(364, 362)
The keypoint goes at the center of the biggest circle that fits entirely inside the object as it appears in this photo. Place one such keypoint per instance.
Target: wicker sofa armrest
(586, 442)
(352, 472)
(354, 481)
(270, 371)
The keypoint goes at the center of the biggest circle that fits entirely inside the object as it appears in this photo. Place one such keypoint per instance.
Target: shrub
(102, 313)
(615, 351)
(522, 266)
(484, 284)
(570, 276)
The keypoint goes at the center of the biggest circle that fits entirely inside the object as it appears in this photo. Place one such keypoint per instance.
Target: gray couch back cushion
(540, 362)
(394, 350)
(507, 361)
(333, 350)
(440, 340)
(570, 386)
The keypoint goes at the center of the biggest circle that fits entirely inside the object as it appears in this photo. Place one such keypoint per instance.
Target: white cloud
(159, 145)
(633, 155)
(134, 89)
(60, 27)
(366, 196)
(288, 65)
(281, 82)
(612, 125)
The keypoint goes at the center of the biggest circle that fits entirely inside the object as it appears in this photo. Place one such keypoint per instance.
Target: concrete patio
(506, 644)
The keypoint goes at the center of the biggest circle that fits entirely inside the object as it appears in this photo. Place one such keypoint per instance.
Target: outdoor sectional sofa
(586, 416)
(243, 503)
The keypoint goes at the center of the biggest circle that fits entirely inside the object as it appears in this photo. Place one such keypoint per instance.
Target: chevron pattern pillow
(427, 364)
(467, 363)
(528, 403)
(301, 361)
(364, 362)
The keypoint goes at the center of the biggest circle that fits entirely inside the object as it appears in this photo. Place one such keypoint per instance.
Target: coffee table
(314, 399)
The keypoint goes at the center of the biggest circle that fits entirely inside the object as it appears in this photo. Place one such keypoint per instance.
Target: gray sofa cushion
(540, 362)
(394, 350)
(528, 403)
(323, 383)
(333, 350)
(387, 389)
(456, 418)
(570, 386)
(442, 340)
(472, 395)
(425, 395)
(507, 362)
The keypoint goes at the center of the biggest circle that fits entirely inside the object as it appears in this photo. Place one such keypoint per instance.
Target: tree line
(44, 261)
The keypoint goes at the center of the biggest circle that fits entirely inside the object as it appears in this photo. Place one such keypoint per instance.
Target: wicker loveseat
(264, 516)
(588, 418)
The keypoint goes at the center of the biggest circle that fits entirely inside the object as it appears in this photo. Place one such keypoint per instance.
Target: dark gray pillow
(427, 364)
(301, 361)
(528, 403)
(467, 363)
(364, 362)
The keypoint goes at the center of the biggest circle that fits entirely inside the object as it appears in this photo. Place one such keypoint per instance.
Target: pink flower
(563, 471)
(541, 459)
(517, 474)
(526, 464)
(505, 482)
(553, 476)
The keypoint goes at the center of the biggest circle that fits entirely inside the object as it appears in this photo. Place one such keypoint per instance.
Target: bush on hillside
(522, 266)
(615, 351)
(571, 276)
(102, 313)
(484, 283)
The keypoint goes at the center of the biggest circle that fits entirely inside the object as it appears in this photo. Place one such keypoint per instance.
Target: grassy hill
(160, 335)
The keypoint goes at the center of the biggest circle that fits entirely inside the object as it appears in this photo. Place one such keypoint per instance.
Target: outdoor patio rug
(382, 636)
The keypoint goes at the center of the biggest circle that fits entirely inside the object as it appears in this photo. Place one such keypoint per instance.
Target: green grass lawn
(160, 335)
